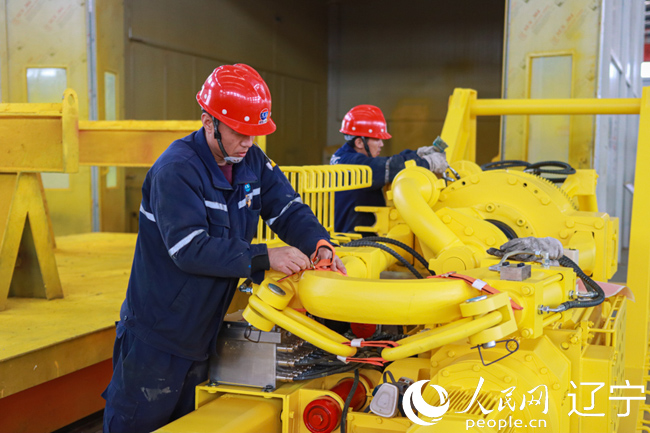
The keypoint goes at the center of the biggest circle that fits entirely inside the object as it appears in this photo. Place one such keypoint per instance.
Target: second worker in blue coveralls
(364, 128)
(201, 202)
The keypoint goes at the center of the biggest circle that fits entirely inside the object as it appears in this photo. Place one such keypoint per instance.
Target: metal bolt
(490, 207)
(564, 345)
(507, 379)
(526, 332)
(444, 373)
(556, 386)
(475, 367)
(529, 358)
(476, 299)
(543, 370)
(489, 345)
(451, 354)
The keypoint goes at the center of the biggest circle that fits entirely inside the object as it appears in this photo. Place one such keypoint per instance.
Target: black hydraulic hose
(402, 245)
(348, 400)
(402, 260)
(326, 372)
(590, 284)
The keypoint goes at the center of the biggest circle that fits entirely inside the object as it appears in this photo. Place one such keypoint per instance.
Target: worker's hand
(425, 150)
(550, 245)
(437, 162)
(326, 253)
(288, 260)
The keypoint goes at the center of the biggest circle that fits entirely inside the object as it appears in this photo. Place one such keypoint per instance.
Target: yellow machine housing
(496, 350)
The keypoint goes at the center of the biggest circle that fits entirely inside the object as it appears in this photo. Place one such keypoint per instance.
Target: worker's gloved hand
(437, 162)
(288, 260)
(425, 150)
(326, 253)
(550, 245)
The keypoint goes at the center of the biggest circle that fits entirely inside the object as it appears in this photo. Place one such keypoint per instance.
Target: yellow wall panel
(541, 29)
(4, 47)
(52, 34)
(70, 209)
(109, 17)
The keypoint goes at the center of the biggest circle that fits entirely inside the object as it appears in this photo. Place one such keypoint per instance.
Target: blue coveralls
(384, 170)
(193, 245)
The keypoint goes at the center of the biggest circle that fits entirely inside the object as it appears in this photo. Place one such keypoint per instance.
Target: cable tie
(479, 284)
(357, 342)
(343, 359)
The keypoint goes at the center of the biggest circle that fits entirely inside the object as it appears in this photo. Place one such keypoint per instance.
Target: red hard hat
(365, 121)
(238, 96)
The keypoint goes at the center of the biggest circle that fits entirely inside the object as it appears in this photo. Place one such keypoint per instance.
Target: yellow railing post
(459, 129)
(638, 277)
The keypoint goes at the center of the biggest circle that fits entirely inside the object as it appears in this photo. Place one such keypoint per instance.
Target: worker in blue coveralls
(201, 203)
(364, 128)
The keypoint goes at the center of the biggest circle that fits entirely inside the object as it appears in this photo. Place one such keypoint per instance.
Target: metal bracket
(510, 351)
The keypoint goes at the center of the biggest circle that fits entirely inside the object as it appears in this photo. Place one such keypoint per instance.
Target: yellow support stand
(27, 264)
(34, 138)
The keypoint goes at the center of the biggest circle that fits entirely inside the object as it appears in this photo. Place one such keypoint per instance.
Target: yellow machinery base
(61, 349)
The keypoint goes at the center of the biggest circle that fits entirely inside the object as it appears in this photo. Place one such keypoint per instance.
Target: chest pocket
(251, 205)
(218, 219)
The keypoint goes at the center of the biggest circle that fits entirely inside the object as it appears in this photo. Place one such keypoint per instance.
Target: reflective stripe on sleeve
(186, 240)
(270, 221)
(149, 215)
(216, 205)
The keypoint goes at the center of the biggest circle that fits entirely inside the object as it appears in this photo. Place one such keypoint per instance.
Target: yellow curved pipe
(389, 302)
(413, 190)
(440, 336)
(306, 332)
(310, 323)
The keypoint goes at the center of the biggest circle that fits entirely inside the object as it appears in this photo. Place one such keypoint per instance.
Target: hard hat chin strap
(365, 144)
(217, 135)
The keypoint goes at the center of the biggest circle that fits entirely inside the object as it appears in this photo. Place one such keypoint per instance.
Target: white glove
(425, 150)
(437, 162)
(550, 245)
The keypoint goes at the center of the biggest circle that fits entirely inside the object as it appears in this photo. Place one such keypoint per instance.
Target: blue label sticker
(264, 116)
(247, 187)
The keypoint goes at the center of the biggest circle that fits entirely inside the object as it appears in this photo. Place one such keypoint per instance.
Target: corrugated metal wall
(172, 47)
(407, 59)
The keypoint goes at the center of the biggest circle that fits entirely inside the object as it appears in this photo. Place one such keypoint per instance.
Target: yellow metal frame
(459, 129)
(50, 138)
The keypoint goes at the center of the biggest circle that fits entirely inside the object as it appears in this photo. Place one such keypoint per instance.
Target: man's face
(234, 143)
(374, 144)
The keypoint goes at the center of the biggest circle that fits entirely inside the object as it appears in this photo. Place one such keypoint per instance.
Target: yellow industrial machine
(501, 346)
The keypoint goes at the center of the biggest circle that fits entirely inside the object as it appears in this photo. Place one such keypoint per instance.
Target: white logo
(414, 393)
